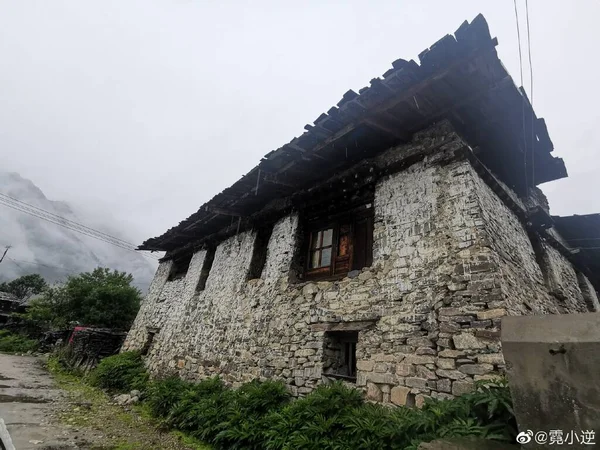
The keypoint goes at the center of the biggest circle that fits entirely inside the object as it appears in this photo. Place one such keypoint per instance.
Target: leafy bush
(163, 395)
(315, 421)
(122, 372)
(260, 415)
(16, 343)
(247, 417)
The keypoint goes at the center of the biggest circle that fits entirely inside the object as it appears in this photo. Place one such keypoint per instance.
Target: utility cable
(77, 229)
(13, 200)
(531, 95)
(522, 93)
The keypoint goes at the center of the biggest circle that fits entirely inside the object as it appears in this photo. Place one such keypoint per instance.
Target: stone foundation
(450, 259)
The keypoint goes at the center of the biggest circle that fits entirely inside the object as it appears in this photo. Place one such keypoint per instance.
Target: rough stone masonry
(450, 259)
(454, 249)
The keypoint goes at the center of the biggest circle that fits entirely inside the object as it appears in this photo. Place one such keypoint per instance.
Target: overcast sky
(146, 109)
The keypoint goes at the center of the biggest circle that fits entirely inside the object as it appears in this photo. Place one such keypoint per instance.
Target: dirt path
(59, 414)
(28, 400)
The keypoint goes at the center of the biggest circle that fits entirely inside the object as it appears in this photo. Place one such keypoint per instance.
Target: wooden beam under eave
(274, 180)
(223, 211)
(380, 126)
(306, 153)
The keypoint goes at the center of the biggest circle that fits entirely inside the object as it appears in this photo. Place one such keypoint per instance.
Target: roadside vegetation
(16, 343)
(101, 298)
(114, 427)
(262, 415)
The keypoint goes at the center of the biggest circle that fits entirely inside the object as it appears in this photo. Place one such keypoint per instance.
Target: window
(206, 266)
(339, 246)
(340, 354)
(181, 264)
(259, 253)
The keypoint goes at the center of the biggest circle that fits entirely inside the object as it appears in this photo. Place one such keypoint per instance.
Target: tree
(102, 298)
(25, 286)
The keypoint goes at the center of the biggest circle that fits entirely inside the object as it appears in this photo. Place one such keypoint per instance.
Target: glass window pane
(326, 257)
(314, 259)
(316, 240)
(327, 237)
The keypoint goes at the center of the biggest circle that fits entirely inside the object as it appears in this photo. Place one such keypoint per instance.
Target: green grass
(191, 442)
(134, 428)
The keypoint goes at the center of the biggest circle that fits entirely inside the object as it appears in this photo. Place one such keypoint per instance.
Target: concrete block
(553, 362)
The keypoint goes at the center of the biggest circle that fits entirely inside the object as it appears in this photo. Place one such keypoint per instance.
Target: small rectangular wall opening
(541, 259)
(339, 355)
(259, 253)
(181, 264)
(150, 333)
(206, 266)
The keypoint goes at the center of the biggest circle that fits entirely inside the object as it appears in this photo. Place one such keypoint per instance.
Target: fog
(140, 111)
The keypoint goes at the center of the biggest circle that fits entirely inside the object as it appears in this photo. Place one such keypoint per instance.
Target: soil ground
(42, 411)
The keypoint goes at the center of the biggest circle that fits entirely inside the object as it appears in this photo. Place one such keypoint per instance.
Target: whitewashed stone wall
(449, 260)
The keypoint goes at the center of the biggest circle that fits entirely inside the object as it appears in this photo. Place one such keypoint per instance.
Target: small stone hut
(381, 247)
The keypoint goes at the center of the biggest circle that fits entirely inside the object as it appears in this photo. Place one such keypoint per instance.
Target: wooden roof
(459, 78)
(582, 233)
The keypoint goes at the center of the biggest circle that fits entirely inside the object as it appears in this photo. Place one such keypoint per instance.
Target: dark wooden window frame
(357, 221)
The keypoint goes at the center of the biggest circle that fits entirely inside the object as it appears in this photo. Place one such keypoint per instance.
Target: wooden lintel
(343, 326)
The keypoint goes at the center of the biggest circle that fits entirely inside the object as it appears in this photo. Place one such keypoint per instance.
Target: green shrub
(16, 343)
(315, 421)
(247, 416)
(163, 395)
(202, 409)
(261, 415)
(123, 372)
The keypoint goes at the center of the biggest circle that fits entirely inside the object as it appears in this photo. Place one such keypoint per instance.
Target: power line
(63, 269)
(16, 263)
(70, 225)
(69, 221)
(33, 213)
(61, 220)
(522, 95)
(519, 41)
(530, 95)
(42, 265)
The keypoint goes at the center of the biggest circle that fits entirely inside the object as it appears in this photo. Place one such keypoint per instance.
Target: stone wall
(449, 260)
(589, 293)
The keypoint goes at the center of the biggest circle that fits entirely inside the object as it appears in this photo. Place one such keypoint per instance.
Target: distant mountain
(54, 252)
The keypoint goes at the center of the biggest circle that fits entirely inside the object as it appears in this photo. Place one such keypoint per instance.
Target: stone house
(381, 247)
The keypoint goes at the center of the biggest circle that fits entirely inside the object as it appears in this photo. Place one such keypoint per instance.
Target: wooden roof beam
(223, 211)
(378, 124)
